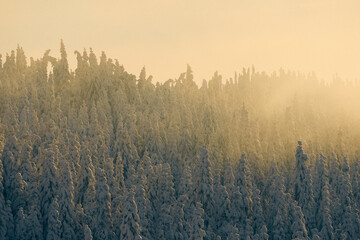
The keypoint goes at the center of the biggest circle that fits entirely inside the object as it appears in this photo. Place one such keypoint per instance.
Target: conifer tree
(228, 175)
(68, 216)
(258, 216)
(130, 228)
(298, 222)
(33, 223)
(222, 211)
(53, 231)
(162, 197)
(197, 223)
(86, 193)
(349, 216)
(21, 228)
(20, 59)
(278, 220)
(243, 181)
(48, 186)
(234, 234)
(324, 219)
(102, 213)
(355, 180)
(87, 233)
(61, 69)
(262, 235)
(335, 178)
(119, 173)
(303, 187)
(18, 195)
(143, 206)
(320, 180)
(205, 189)
(6, 221)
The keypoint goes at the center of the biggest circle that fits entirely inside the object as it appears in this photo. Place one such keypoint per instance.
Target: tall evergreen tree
(162, 197)
(48, 186)
(222, 211)
(349, 215)
(53, 223)
(130, 228)
(6, 221)
(278, 219)
(68, 215)
(102, 214)
(234, 234)
(205, 189)
(197, 223)
(303, 187)
(324, 219)
(243, 181)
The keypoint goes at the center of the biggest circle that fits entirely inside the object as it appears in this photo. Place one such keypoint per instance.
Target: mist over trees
(99, 153)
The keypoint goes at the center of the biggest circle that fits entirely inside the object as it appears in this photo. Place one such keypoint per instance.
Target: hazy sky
(301, 35)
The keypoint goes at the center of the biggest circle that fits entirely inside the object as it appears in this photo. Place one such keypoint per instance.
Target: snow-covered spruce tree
(262, 235)
(143, 205)
(53, 231)
(26, 166)
(33, 209)
(355, 181)
(113, 185)
(74, 157)
(110, 179)
(186, 195)
(132, 178)
(222, 211)
(21, 225)
(334, 188)
(48, 185)
(61, 69)
(162, 198)
(298, 222)
(33, 223)
(322, 199)
(205, 189)
(86, 192)
(129, 153)
(119, 172)
(324, 220)
(229, 179)
(244, 183)
(68, 214)
(6, 219)
(320, 177)
(146, 163)
(18, 195)
(258, 215)
(234, 234)
(349, 215)
(177, 226)
(129, 227)
(303, 187)
(102, 214)
(278, 218)
(87, 233)
(197, 223)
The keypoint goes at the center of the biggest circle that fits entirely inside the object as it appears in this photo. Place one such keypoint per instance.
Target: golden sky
(300, 35)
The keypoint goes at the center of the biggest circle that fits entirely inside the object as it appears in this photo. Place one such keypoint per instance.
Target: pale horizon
(165, 36)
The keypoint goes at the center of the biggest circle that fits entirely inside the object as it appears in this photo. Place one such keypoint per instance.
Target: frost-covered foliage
(98, 153)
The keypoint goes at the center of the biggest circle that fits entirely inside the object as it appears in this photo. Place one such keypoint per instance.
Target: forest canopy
(100, 153)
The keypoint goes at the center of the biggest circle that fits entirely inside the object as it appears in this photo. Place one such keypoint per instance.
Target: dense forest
(99, 153)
